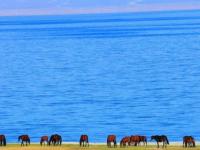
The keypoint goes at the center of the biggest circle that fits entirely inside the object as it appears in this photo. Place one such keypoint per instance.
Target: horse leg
(157, 144)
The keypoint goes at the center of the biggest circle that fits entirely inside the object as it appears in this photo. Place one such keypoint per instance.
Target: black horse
(24, 138)
(55, 139)
(2, 140)
(160, 138)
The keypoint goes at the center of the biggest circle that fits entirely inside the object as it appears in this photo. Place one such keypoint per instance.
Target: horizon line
(47, 13)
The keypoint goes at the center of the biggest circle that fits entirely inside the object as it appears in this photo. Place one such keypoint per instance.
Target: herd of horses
(134, 140)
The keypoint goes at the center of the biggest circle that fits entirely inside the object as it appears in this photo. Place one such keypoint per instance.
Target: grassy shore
(92, 147)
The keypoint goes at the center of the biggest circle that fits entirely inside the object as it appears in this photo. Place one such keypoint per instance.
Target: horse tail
(115, 143)
(87, 140)
(41, 142)
(29, 141)
(49, 142)
(145, 140)
(193, 143)
(60, 140)
(4, 141)
(167, 139)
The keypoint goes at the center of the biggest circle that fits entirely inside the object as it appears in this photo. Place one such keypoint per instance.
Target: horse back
(44, 138)
(135, 138)
(84, 138)
(125, 139)
(111, 138)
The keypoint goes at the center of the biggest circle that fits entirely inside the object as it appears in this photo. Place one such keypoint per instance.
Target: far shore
(96, 146)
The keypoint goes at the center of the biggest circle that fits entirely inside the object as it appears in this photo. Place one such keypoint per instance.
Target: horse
(124, 141)
(24, 138)
(135, 139)
(55, 139)
(44, 139)
(188, 141)
(143, 139)
(160, 138)
(2, 140)
(111, 139)
(84, 141)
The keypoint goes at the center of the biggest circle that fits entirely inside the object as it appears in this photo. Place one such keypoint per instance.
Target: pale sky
(51, 7)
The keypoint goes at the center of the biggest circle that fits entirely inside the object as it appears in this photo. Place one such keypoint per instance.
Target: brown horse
(160, 138)
(84, 141)
(44, 139)
(55, 139)
(2, 140)
(135, 140)
(124, 141)
(24, 138)
(188, 141)
(111, 139)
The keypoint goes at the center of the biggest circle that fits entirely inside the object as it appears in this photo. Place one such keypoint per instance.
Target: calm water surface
(103, 74)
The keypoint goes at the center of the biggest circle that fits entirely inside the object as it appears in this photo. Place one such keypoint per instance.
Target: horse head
(19, 138)
(152, 138)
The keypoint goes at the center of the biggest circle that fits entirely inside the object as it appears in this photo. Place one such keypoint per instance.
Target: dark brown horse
(124, 141)
(188, 141)
(160, 138)
(55, 139)
(143, 139)
(43, 140)
(24, 138)
(2, 140)
(134, 140)
(84, 141)
(111, 139)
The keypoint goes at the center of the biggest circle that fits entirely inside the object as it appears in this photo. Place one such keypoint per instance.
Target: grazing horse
(55, 139)
(2, 140)
(124, 141)
(143, 139)
(160, 138)
(44, 139)
(135, 140)
(111, 139)
(188, 141)
(24, 138)
(84, 141)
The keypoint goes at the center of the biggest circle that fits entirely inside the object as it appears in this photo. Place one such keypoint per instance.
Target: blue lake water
(122, 74)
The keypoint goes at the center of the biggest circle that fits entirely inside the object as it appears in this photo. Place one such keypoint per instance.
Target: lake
(100, 74)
